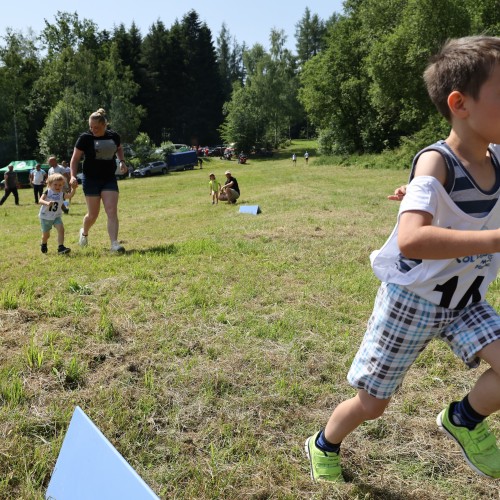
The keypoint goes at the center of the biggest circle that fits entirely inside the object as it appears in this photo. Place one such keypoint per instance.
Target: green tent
(22, 169)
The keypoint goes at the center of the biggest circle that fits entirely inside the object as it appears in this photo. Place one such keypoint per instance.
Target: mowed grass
(219, 341)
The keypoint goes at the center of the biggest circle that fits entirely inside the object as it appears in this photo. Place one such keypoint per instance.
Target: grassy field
(219, 341)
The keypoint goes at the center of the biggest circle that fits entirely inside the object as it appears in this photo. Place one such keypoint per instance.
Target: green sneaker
(325, 466)
(479, 446)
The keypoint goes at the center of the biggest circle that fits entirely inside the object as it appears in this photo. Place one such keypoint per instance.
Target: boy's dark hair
(463, 64)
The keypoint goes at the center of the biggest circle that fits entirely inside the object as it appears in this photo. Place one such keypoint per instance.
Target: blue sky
(248, 21)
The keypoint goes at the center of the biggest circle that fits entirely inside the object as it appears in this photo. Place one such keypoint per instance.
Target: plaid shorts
(401, 326)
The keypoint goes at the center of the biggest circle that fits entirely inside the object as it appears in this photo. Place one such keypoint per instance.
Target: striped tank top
(461, 187)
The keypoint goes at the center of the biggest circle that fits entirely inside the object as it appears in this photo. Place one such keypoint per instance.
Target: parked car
(216, 151)
(153, 168)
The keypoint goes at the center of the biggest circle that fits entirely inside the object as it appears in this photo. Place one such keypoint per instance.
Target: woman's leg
(110, 202)
(93, 207)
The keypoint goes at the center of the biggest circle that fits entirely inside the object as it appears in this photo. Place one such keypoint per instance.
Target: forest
(354, 81)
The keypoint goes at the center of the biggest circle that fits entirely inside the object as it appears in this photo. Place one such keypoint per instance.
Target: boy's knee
(373, 408)
(374, 412)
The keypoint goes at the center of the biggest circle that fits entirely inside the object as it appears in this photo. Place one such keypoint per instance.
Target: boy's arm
(399, 193)
(43, 201)
(418, 239)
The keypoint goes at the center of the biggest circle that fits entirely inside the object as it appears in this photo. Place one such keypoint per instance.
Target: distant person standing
(294, 159)
(100, 147)
(37, 181)
(55, 168)
(306, 156)
(11, 183)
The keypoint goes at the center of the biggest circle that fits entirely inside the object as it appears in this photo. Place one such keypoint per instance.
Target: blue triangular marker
(250, 209)
(90, 467)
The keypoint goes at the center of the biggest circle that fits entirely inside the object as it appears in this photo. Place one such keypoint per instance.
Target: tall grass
(219, 341)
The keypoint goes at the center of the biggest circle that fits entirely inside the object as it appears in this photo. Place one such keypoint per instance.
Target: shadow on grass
(375, 493)
(158, 250)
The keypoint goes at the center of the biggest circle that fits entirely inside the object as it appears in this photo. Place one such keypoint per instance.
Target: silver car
(153, 168)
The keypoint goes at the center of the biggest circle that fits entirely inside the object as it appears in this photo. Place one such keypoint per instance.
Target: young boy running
(51, 211)
(436, 266)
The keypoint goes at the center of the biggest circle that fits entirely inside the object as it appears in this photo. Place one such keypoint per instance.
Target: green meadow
(219, 341)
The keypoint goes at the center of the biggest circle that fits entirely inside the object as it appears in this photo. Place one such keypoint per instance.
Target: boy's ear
(457, 102)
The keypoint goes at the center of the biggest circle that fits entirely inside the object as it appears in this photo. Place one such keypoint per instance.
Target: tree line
(355, 80)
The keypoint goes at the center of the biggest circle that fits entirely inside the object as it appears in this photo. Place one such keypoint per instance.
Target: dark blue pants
(38, 191)
(7, 193)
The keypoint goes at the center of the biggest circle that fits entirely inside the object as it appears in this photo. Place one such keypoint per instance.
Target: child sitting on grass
(51, 211)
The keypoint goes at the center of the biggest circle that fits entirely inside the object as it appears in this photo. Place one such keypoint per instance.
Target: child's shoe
(61, 250)
(43, 247)
(479, 446)
(325, 466)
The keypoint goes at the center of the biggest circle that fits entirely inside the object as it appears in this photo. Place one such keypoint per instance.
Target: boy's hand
(399, 193)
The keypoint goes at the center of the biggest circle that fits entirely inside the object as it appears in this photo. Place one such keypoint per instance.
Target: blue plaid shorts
(401, 326)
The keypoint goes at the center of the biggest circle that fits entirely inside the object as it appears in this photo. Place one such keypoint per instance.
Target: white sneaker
(116, 247)
(83, 241)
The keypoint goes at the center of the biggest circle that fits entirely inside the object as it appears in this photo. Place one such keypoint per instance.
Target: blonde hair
(99, 116)
(54, 178)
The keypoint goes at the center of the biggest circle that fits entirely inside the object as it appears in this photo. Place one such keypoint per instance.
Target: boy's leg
(61, 249)
(45, 238)
(485, 395)
(323, 448)
(350, 414)
(477, 442)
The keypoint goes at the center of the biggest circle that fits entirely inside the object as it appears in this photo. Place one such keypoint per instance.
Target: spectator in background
(11, 183)
(306, 156)
(37, 181)
(231, 188)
